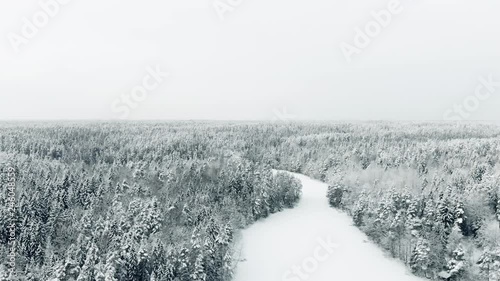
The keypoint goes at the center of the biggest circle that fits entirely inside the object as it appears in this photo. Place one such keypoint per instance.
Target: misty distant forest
(167, 201)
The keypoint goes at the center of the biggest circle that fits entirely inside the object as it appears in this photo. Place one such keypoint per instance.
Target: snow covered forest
(168, 200)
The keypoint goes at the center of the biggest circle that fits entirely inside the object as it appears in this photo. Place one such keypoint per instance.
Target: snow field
(313, 242)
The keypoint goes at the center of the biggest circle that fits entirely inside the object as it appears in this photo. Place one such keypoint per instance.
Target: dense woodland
(133, 202)
(166, 201)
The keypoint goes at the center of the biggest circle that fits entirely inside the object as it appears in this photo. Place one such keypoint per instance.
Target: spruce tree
(88, 271)
(420, 258)
(456, 265)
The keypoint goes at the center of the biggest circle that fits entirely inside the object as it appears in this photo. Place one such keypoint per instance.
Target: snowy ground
(313, 242)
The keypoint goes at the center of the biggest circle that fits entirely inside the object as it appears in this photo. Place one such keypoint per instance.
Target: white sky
(266, 56)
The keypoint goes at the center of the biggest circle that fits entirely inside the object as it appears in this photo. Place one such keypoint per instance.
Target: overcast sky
(260, 59)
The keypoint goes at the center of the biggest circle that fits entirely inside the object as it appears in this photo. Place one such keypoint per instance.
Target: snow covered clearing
(313, 242)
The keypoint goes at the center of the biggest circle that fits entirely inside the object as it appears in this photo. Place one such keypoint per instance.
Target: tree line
(165, 200)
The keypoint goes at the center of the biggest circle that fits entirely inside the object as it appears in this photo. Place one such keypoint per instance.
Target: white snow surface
(271, 248)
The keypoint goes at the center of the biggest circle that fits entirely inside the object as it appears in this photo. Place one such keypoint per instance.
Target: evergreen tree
(456, 264)
(358, 214)
(335, 193)
(199, 269)
(460, 218)
(143, 265)
(183, 263)
(414, 223)
(110, 268)
(88, 271)
(489, 263)
(446, 213)
(228, 265)
(420, 258)
(69, 268)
